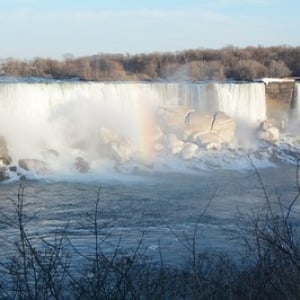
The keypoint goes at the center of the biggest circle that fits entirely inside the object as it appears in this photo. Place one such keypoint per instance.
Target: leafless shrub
(37, 269)
(272, 257)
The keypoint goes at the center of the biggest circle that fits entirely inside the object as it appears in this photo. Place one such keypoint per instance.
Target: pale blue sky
(51, 28)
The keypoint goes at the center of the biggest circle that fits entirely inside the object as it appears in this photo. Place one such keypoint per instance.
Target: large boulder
(197, 124)
(173, 119)
(267, 132)
(208, 138)
(5, 159)
(213, 146)
(81, 165)
(184, 124)
(210, 131)
(210, 141)
(34, 165)
(223, 126)
(4, 174)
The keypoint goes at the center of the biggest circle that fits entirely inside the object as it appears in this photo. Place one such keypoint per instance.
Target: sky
(53, 28)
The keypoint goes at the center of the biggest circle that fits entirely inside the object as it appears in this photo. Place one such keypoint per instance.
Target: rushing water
(39, 119)
(162, 203)
(163, 210)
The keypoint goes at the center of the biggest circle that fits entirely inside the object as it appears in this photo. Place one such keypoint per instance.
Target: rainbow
(145, 131)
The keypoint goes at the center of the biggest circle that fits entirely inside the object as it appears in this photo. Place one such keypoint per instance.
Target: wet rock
(271, 135)
(5, 159)
(81, 165)
(208, 138)
(213, 146)
(264, 125)
(34, 165)
(4, 173)
(13, 169)
(197, 127)
(223, 126)
(274, 133)
(210, 131)
(198, 123)
(173, 120)
(268, 132)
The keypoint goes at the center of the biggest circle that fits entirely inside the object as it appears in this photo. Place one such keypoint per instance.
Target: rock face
(198, 123)
(195, 130)
(5, 159)
(210, 131)
(279, 101)
(173, 120)
(184, 125)
(223, 126)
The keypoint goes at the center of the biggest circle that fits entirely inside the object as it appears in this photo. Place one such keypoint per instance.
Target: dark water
(162, 210)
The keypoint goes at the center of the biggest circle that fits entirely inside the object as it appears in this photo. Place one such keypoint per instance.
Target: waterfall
(69, 116)
(241, 101)
(244, 102)
(61, 115)
(296, 98)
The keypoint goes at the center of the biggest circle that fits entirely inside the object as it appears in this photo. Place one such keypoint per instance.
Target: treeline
(197, 64)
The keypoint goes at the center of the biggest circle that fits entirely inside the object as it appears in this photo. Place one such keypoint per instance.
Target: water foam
(60, 121)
